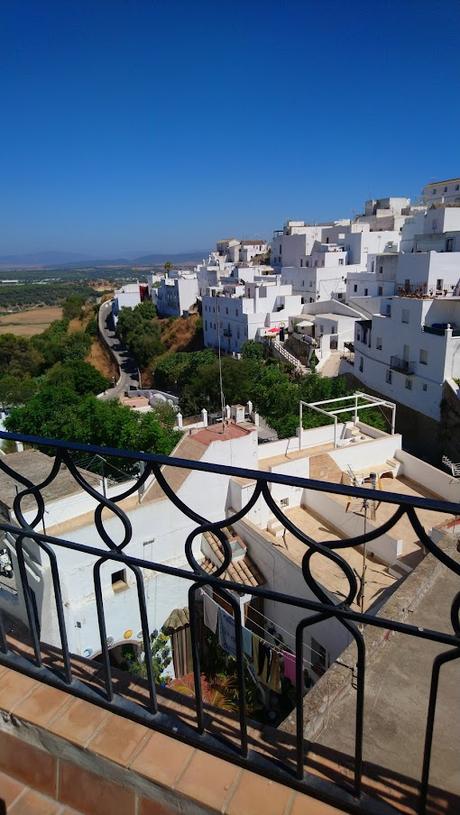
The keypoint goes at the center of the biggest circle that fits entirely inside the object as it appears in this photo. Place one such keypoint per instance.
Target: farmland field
(28, 323)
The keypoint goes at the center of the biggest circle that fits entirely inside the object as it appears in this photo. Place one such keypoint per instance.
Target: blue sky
(162, 125)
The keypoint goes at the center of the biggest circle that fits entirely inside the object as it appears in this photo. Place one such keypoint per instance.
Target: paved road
(129, 373)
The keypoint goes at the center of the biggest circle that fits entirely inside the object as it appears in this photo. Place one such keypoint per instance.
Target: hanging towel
(289, 666)
(227, 632)
(210, 613)
(267, 664)
(274, 677)
(262, 658)
(247, 642)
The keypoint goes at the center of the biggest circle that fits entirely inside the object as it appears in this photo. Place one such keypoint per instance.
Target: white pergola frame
(354, 398)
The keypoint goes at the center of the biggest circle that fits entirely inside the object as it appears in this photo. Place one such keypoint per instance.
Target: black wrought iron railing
(404, 366)
(315, 605)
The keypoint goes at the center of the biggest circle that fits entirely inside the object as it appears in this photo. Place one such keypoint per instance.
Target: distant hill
(43, 259)
(72, 259)
(176, 259)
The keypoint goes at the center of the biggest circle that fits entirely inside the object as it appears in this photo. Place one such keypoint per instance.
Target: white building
(379, 280)
(250, 248)
(176, 294)
(239, 312)
(129, 296)
(234, 250)
(447, 191)
(316, 260)
(326, 327)
(217, 271)
(337, 453)
(410, 350)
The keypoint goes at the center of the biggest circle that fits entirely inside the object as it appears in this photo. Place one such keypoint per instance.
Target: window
(205, 325)
(445, 189)
(280, 249)
(405, 315)
(226, 309)
(434, 191)
(361, 364)
(380, 291)
(355, 287)
(424, 387)
(439, 284)
(423, 357)
(449, 245)
(408, 384)
(373, 266)
(380, 269)
(366, 292)
(301, 262)
(284, 502)
(327, 240)
(388, 376)
(311, 283)
(378, 343)
(457, 187)
(340, 261)
(119, 580)
(388, 309)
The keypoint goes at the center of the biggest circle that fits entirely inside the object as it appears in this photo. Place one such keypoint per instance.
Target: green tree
(72, 306)
(252, 350)
(80, 375)
(16, 391)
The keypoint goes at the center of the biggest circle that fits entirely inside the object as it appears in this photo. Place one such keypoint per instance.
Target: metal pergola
(358, 401)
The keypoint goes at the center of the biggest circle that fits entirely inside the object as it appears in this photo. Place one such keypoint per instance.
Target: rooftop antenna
(222, 397)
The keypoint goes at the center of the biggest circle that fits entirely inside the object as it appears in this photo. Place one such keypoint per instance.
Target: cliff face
(450, 421)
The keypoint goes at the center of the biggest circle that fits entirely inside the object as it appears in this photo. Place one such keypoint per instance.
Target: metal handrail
(321, 608)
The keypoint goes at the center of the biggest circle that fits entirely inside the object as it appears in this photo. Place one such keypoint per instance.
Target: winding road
(129, 372)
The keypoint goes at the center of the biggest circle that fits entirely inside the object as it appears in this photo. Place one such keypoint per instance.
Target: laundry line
(280, 628)
(280, 646)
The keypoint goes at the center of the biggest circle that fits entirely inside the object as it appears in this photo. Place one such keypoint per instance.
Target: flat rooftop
(378, 578)
(307, 452)
(36, 467)
(398, 676)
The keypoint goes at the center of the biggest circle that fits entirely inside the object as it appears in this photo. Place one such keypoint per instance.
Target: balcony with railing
(403, 366)
(204, 756)
(440, 329)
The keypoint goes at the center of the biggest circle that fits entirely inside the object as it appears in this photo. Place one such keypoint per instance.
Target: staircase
(279, 348)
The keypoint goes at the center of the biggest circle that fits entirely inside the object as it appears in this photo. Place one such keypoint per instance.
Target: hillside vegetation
(150, 338)
(50, 389)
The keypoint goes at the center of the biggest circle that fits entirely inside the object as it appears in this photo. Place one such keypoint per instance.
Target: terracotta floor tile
(34, 767)
(90, 794)
(162, 759)
(13, 688)
(118, 738)
(78, 721)
(9, 789)
(32, 803)
(41, 705)
(209, 780)
(149, 807)
(304, 805)
(252, 790)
